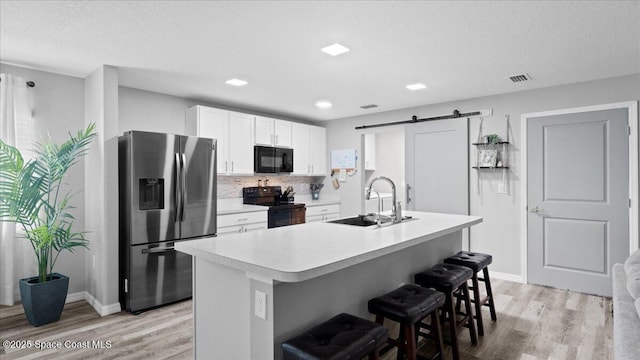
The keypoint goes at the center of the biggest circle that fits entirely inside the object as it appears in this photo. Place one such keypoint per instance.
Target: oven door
(279, 216)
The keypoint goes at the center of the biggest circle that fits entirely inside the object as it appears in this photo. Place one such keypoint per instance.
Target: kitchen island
(309, 273)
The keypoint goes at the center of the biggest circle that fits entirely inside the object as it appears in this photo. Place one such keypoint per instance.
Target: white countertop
(235, 206)
(301, 252)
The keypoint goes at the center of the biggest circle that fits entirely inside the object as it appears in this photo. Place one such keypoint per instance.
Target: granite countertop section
(301, 252)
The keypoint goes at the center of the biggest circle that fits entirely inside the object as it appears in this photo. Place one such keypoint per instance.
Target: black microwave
(268, 159)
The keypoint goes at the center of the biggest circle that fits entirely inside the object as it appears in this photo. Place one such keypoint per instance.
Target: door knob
(535, 209)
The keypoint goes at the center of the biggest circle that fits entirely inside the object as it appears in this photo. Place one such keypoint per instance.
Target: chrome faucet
(396, 212)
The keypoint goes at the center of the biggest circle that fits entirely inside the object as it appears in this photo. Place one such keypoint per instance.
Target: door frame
(632, 107)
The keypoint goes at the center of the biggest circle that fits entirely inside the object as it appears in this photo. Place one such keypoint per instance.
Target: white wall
(101, 185)
(58, 108)
(500, 233)
(150, 111)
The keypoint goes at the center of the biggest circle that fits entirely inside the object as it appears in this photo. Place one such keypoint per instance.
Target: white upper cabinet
(309, 150)
(233, 156)
(370, 152)
(272, 132)
(300, 146)
(240, 146)
(317, 150)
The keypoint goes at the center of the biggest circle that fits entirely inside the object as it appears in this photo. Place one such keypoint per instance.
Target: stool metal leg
(487, 283)
(477, 301)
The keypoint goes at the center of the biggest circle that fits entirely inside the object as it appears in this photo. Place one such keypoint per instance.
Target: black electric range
(282, 211)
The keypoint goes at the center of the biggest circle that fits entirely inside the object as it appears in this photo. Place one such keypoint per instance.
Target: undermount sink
(365, 220)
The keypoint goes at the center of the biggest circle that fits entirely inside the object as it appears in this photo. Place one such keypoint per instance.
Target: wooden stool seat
(409, 305)
(477, 262)
(340, 338)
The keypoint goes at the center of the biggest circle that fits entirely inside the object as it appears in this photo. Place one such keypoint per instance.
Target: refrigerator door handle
(183, 184)
(178, 194)
(157, 250)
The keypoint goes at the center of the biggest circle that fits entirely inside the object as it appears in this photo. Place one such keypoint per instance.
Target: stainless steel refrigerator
(167, 189)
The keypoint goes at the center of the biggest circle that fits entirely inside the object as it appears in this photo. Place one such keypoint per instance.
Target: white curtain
(16, 129)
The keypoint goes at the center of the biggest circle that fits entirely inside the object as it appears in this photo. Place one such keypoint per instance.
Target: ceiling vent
(520, 78)
(370, 106)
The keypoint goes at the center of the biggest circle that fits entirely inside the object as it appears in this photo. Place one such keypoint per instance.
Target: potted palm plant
(32, 195)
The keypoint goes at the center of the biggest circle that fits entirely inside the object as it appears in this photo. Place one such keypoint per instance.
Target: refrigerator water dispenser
(151, 192)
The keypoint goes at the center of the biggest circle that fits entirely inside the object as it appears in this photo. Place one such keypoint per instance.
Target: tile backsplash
(231, 186)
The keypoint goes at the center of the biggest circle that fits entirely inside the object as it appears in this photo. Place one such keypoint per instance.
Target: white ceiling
(458, 49)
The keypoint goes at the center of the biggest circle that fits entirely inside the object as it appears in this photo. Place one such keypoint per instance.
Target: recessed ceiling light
(417, 86)
(335, 49)
(236, 82)
(323, 104)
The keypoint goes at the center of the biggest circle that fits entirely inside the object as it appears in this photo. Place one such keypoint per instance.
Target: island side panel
(221, 311)
(302, 305)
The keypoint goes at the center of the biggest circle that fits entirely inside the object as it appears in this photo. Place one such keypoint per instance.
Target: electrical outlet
(261, 305)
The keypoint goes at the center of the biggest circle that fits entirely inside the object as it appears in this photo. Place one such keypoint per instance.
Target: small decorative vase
(43, 302)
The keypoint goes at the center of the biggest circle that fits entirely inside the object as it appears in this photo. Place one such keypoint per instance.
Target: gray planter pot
(43, 302)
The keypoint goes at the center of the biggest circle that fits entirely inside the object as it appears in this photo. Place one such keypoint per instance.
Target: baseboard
(505, 276)
(103, 310)
(76, 296)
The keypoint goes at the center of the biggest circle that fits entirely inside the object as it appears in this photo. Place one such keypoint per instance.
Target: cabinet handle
(243, 219)
(271, 138)
(312, 168)
(232, 166)
(324, 210)
(308, 169)
(276, 139)
(408, 198)
(225, 166)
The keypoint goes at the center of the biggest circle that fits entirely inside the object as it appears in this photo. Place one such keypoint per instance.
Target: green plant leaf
(30, 195)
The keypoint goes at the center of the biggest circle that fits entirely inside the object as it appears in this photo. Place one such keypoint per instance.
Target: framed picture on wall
(487, 158)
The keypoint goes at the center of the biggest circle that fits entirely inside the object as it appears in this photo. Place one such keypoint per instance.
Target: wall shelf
(492, 154)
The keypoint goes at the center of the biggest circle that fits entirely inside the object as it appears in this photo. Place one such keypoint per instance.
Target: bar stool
(340, 338)
(477, 262)
(409, 305)
(452, 281)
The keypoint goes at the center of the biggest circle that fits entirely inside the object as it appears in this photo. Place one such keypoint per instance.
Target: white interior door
(437, 167)
(577, 198)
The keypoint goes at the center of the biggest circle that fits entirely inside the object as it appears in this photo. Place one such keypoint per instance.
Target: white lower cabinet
(322, 212)
(241, 222)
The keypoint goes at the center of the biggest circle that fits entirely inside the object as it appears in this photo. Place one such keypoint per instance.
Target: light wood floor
(534, 322)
